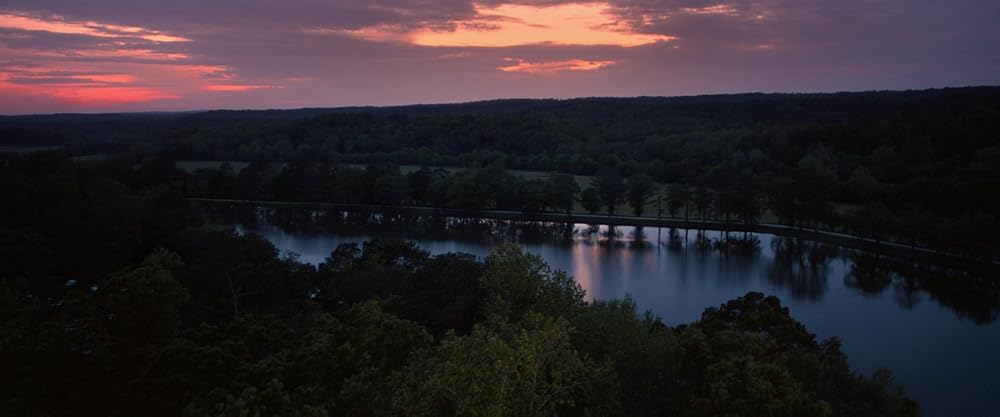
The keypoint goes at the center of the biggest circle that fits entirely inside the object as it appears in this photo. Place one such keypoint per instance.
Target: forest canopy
(117, 300)
(920, 167)
(117, 296)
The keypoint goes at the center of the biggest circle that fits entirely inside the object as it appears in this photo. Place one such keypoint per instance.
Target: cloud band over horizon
(118, 55)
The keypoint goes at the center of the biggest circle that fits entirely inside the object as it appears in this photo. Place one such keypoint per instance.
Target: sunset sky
(130, 55)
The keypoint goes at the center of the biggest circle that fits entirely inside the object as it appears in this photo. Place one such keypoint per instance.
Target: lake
(935, 329)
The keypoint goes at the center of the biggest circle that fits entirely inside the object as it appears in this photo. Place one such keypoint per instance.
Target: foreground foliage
(116, 301)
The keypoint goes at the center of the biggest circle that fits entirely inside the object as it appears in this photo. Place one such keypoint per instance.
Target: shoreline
(888, 248)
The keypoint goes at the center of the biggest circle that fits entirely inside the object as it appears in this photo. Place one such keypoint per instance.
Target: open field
(651, 208)
(27, 149)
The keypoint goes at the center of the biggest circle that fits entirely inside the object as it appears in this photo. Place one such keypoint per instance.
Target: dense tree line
(384, 184)
(916, 166)
(116, 300)
(727, 198)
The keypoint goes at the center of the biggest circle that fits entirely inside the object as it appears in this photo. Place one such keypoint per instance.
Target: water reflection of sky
(945, 361)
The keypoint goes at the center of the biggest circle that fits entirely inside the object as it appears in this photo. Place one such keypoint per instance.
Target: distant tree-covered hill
(915, 161)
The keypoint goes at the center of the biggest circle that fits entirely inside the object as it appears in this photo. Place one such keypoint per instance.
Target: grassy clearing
(650, 210)
(21, 150)
(582, 180)
(192, 166)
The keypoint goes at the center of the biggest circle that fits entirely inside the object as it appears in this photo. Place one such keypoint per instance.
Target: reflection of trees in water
(973, 297)
(907, 293)
(590, 231)
(638, 239)
(739, 244)
(970, 294)
(612, 237)
(247, 216)
(613, 234)
(745, 244)
(802, 252)
(800, 266)
(702, 242)
(302, 221)
(868, 275)
(675, 241)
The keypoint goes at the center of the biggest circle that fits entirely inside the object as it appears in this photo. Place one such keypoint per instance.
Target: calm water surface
(945, 352)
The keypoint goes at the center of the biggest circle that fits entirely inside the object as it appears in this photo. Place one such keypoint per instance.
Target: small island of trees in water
(120, 298)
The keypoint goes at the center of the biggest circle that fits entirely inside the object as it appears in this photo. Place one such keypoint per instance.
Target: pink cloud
(57, 24)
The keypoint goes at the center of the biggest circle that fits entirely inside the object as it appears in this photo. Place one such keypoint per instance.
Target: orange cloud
(95, 29)
(508, 25)
(555, 66)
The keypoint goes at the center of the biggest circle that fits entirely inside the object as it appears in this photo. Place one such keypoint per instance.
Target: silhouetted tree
(610, 187)
(563, 190)
(640, 189)
(678, 197)
(590, 199)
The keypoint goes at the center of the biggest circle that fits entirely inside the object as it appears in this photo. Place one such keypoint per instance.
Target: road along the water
(882, 247)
